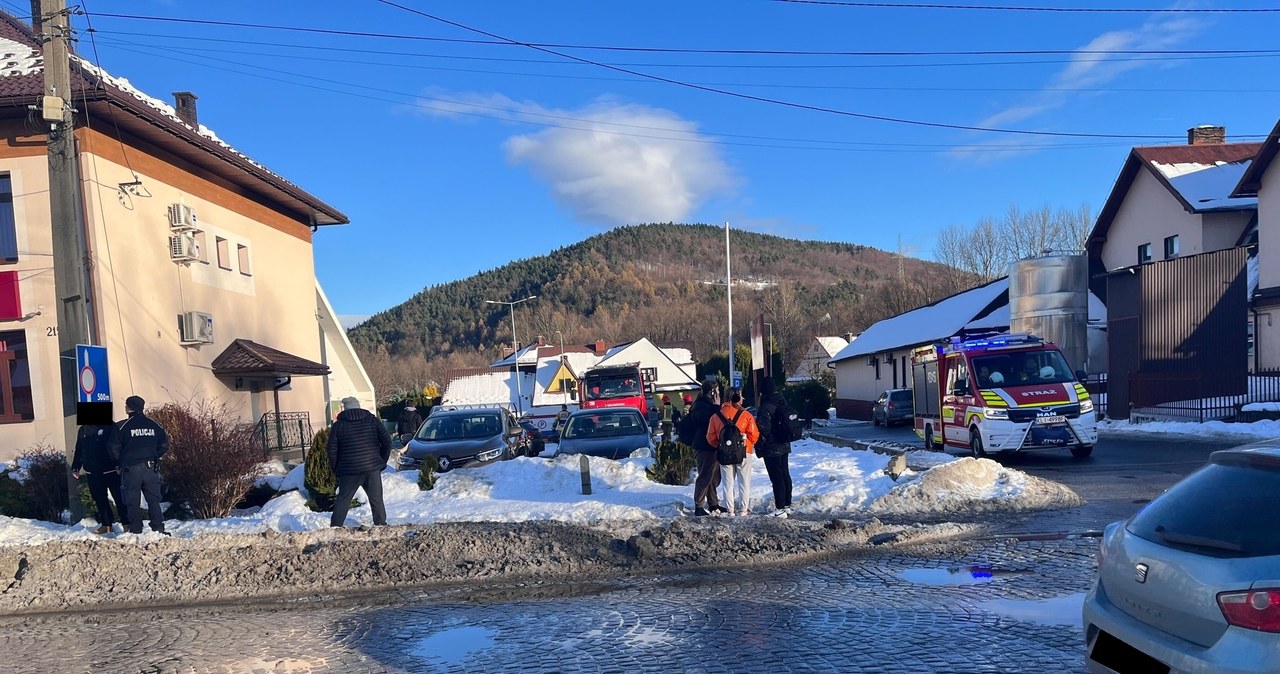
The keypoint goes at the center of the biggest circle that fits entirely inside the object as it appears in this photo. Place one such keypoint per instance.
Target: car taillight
(1252, 609)
(889, 405)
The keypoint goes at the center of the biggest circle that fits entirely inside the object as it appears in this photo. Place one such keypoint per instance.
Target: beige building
(1262, 181)
(202, 281)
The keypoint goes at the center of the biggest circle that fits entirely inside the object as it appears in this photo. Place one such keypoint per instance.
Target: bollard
(585, 466)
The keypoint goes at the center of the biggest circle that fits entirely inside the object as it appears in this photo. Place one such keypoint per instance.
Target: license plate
(1052, 419)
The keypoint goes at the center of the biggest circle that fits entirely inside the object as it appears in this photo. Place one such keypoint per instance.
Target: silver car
(1192, 582)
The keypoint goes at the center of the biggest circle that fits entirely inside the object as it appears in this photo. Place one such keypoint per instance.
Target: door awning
(248, 358)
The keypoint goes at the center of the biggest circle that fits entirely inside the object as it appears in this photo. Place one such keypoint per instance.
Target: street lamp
(515, 349)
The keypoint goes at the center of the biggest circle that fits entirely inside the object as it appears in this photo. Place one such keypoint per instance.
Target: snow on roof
(999, 319)
(491, 388)
(527, 354)
(1208, 187)
(678, 355)
(939, 320)
(832, 345)
(19, 59)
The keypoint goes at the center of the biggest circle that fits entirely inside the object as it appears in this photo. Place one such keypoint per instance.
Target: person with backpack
(692, 431)
(733, 433)
(776, 422)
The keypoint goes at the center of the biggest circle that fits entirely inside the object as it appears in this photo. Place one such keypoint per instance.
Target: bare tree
(791, 329)
(988, 248)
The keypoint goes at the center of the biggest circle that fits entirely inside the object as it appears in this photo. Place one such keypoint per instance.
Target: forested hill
(661, 281)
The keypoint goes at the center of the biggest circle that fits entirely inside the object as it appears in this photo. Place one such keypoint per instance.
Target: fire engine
(621, 385)
(1007, 393)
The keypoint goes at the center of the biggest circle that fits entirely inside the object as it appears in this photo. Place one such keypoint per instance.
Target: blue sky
(452, 157)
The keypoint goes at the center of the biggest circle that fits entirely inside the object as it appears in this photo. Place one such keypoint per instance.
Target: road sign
(91, 374)
(737, 379)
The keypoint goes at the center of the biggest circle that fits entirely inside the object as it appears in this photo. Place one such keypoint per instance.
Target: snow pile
(970, 484)
(1208, 431)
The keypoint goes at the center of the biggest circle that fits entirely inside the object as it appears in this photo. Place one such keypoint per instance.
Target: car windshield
(1220, 511)
(461, 426)
(604, 424)
(612, 386)
(1021, 369)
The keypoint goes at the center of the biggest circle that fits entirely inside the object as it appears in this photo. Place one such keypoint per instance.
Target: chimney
(185, 104)
(848, 336)
(1206, 134)
(599, 347)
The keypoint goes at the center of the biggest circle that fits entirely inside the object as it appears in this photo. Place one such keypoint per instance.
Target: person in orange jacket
(736, 478)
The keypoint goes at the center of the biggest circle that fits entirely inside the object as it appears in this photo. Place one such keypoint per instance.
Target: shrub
(319, 479)
(257, 496)
(427, 473)
(12, 501)
(673, 464)
(44, 491)
(212, 458)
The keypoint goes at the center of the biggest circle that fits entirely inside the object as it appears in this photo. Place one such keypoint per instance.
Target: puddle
(1058, 611)
(973, 574)
(454, 645)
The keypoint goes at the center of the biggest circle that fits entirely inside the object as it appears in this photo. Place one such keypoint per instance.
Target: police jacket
(358, 443)
(93, 449)
(138, 440)
(700, 416)
(770, 445)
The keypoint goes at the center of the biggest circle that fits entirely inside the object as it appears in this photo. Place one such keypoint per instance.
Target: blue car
(610, 432)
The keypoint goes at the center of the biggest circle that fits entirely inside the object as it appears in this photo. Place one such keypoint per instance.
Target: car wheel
(929, 444)
(975, 444)
(443, 464)
(1082, 452)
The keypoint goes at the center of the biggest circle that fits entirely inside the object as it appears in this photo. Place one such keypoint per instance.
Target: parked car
(1192, 582)
(609, 432)
(462, 437)
(894, 406)
(535, 439)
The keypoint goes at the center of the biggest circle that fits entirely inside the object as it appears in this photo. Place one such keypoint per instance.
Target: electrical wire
(111, 115)
(1055, 10)
(791, 104)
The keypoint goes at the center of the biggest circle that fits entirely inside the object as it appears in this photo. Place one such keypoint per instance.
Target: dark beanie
(134, 404)
(767, 387)
(709, 387)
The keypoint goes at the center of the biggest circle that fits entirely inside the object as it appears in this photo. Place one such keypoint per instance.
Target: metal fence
(285, 435)
(1263, 387)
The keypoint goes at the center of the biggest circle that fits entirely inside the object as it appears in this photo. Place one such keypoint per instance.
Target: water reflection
(454, 645)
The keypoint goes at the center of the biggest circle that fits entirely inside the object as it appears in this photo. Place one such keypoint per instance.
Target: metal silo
(1049, 297)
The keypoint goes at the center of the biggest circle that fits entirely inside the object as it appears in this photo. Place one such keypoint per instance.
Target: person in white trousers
(736, 478)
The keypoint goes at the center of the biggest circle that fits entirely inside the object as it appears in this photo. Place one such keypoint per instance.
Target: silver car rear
(1169, 577)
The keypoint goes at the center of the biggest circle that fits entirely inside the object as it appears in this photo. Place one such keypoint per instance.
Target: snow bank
(1209, 430)
(968, 484)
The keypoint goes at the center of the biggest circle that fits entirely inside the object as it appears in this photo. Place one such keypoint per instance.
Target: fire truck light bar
(994, 342)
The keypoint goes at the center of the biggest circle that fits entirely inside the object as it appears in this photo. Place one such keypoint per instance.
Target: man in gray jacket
(359, 446)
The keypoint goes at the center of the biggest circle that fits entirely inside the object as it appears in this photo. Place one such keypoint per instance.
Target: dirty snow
(1208, 431)
(827, 480)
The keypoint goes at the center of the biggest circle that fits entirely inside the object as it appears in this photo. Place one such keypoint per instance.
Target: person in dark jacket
(93, 458)
(137, 447)
(705, 498)
(409, 423)
(359, 447)
(774, 450)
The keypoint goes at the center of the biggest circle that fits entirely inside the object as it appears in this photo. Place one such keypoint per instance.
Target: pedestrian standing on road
(137, 447)
(408, 424)
(93, 459)
(736, 477)
(359, 447)
(694, 434)
(775, 445)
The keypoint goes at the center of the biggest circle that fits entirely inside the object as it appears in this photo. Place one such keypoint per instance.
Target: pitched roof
(942, 319)
(1200, 177)
(1251, 181)
(832, 345)
(96, 92)
(244, 356)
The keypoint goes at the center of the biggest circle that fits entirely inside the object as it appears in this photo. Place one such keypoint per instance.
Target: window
(10, 299)
(876, 362)
(201, 249)
(15, 379)
(224, 254)
(1170, 247)
(1144, 253)
(242, 252)
(8, 226)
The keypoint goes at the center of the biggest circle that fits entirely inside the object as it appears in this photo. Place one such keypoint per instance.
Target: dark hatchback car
(462, 437)
(894, 406)
(609, 432)
(1192, 582)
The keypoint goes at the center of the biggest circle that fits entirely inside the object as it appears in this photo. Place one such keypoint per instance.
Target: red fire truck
(620, 385)
(1007, 393)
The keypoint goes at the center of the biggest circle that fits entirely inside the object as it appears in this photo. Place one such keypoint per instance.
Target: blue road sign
(91, 374)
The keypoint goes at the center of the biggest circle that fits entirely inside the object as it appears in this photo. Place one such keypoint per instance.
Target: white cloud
(610, 162)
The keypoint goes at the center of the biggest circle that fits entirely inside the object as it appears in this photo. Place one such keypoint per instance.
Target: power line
(790, 104)
(1014, 8)
(690, 50)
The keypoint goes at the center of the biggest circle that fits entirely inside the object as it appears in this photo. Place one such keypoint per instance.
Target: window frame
(1144, 252)
(242, 257)
(10, 222)
(224, 252)
(9, 397)
(1172, 247)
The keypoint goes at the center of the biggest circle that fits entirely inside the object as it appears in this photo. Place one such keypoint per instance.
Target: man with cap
(359, 447)
(137, 447)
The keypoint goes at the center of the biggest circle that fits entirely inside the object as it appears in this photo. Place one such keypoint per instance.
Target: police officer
(137, 447)
(93, 458)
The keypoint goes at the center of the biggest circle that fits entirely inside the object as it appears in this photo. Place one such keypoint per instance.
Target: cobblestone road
(1001, 607)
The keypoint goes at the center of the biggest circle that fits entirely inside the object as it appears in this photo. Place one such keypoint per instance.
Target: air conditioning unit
(184, 248)
(181, 217)
(197, 328)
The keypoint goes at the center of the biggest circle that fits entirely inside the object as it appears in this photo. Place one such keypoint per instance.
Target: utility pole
(52, 24)
(728, 287)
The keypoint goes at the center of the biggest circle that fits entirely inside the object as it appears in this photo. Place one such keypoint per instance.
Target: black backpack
(732, 449)
(687, 429)
(787, 426)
